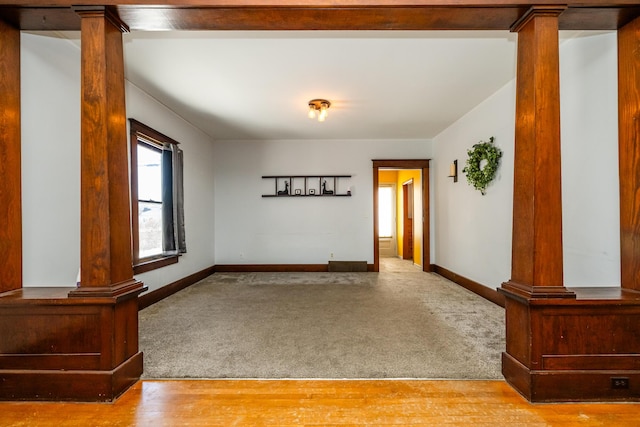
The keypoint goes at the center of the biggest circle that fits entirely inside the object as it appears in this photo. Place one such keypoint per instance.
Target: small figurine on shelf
(324, 188)
(284, 192)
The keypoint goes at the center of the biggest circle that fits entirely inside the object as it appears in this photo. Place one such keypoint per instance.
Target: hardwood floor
(318, 402)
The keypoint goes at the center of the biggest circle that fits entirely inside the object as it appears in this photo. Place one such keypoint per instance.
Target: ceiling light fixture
(319, 107)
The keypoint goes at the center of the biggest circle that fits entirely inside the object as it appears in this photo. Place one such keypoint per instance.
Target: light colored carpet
(399, 323)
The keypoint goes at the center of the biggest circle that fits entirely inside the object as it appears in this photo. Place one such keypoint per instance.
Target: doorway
(419, 218)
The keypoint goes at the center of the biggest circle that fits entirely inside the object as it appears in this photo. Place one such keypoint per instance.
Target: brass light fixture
(319, 108)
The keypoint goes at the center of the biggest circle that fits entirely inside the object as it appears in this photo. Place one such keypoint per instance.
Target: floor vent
(343, 266)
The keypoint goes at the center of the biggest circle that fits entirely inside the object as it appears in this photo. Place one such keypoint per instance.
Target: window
(156, 198)
(386, 208)
(149, 200)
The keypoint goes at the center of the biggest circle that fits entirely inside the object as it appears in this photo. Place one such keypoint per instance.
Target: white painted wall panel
(590, 189)
(473, 232)
(251, 229)
(50, 104)
(51, 168)
(198, 183)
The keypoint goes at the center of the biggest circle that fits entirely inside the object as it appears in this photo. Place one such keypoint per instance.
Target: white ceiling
(382, 85)
(237, 85)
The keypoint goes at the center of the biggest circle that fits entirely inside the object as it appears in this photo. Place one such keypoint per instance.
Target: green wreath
(477, 176)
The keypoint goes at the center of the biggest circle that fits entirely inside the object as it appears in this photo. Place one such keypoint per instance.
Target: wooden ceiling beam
(325, 4)
(190, 16)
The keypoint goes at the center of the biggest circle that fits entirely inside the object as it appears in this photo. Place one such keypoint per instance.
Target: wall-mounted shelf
(309, 186)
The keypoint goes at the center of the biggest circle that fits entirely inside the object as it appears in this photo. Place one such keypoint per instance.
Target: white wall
(51, 168)
(198, 153)
(50, 103)
(590, 188)
(473, 232)
(251, 229)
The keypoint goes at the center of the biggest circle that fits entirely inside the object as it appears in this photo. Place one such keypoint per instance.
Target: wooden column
(105, 234)
(562, 345)
(82, 343)
(536, 263)
(10, 178)
(536, 257)
(629, 152)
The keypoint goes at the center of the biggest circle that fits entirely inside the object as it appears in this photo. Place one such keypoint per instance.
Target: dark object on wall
(324, 188)
(284, 192)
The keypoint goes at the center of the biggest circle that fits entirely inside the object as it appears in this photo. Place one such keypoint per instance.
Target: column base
(56, 347)
(571, 385)
(530, 292)
(73, 385)
(585, 348)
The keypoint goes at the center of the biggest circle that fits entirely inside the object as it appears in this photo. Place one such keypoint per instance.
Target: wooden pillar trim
(105, 229)
(629, 152)
(102, 11)
(10, 169)
(537, 11)
(536, 267)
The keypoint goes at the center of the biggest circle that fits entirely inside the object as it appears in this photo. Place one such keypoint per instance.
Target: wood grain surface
(629, 149)
(10, 180)
(318, 402)
(148, 15)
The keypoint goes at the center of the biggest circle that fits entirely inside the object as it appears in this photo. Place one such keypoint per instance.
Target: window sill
(147, 265)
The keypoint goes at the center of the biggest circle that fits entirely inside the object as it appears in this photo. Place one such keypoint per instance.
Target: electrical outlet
(619, 382)
(331, 255)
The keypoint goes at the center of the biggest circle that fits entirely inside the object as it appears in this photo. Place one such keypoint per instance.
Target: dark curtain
(178, 167)
(173, 233)
(168, 230)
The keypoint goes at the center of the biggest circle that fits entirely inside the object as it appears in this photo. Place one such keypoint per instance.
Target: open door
(423, 166)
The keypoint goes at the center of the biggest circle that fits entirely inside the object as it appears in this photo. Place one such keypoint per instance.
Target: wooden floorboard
(318, 402)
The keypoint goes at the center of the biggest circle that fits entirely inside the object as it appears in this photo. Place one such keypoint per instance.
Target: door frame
(423, 165)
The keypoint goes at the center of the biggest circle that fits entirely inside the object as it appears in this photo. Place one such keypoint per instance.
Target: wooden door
(407, 212)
